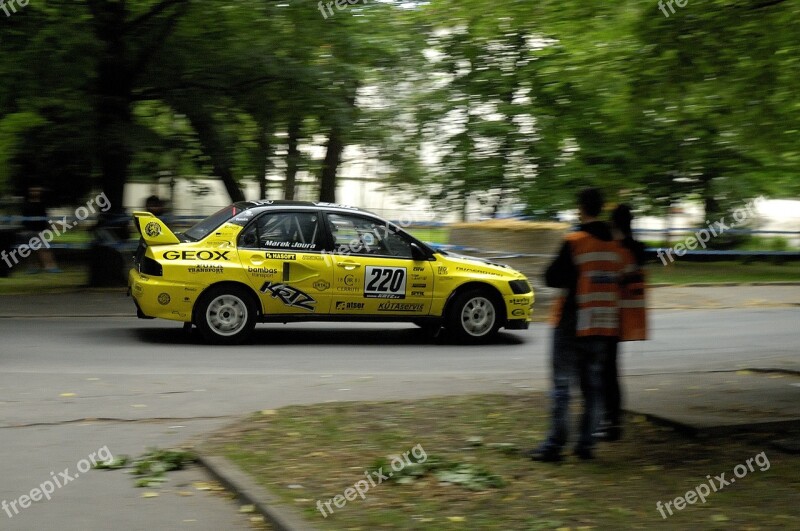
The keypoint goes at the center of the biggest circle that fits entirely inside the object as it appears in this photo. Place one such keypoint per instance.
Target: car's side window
(295, 231)
(366, 237)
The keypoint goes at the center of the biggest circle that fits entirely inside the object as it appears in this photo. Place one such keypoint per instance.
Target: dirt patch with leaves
(475, 475)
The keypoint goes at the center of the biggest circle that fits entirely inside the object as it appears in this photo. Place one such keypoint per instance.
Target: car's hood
(473, 264)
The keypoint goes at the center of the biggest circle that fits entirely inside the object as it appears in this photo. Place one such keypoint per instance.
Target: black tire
(225, 315)
(473, 316)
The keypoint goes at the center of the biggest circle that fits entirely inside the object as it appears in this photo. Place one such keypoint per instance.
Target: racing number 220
(385, 282)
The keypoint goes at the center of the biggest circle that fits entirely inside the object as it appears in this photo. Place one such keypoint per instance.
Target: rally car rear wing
(153, 230)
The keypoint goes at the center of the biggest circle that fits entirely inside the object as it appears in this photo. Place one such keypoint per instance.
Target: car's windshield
(205, 227)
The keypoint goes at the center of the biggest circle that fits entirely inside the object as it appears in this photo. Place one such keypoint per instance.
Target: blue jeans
(578, 359)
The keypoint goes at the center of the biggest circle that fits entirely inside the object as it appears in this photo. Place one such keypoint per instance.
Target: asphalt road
(70, 386)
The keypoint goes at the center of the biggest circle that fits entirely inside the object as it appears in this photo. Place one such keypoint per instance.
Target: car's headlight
(520, 287)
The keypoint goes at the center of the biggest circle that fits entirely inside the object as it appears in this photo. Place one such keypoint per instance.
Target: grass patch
(20, 282)
(309, 453)
(718, 272)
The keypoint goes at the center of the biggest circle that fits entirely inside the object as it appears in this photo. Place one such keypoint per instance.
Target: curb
(232, 478)
(727, 429)
(723, 284)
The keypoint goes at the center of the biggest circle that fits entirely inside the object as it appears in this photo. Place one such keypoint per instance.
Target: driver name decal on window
(385, 283)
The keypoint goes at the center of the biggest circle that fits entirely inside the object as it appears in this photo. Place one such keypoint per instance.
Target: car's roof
(266, 204)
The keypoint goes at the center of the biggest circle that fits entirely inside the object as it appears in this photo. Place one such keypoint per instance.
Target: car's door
(374, 269)
(283, 255)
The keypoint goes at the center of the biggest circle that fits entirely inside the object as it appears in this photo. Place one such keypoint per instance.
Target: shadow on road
(270, 335)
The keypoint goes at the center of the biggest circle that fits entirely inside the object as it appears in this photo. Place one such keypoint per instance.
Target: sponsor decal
(313, 257)
(281, 256)
(442, 270)
(290, 296)
(519, 302)
(418, 268)
(347, 284)
(243, 217)
(262, 271)
(197, 255)
(385, 283)
(163, 299)
(137, 289)
(343, 305)
(152, 229)
(417, 293)
(400, 307)
(517, 312)
(419, 285)
(321, 285)
(207, 268)
(478, 271)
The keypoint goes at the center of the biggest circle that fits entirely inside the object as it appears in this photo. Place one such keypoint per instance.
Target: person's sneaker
(53, 270)
(545, 455)
(608, 432)
(584, 454)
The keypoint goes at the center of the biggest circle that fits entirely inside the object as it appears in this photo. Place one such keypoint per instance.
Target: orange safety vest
(633, 306)
(597, 296)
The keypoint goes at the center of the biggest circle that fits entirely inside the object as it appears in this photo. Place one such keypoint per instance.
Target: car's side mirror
(417, 253)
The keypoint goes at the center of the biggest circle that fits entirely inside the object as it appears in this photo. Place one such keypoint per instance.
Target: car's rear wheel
(473, 316)
(225, 315)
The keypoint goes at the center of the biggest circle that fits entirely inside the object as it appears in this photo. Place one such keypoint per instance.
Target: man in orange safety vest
(586, 321)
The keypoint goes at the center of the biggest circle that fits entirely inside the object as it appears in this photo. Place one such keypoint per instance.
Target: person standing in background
(586, 322)
(633, 320)
(34, 208)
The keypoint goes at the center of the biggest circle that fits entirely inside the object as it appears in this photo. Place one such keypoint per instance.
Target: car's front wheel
(225, 315)
(473, 316)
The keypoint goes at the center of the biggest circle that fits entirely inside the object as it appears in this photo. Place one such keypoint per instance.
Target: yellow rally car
(286, 261)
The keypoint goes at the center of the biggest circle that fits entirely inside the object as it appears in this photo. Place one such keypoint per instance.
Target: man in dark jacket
(585, 323)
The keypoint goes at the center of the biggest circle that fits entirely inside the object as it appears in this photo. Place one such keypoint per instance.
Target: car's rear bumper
(155, 297)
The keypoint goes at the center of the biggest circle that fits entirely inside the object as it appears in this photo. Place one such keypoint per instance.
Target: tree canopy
(510, 104)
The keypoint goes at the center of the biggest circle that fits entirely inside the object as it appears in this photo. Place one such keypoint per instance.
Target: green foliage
(512, 104)
(151, 467)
